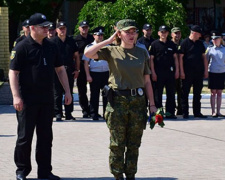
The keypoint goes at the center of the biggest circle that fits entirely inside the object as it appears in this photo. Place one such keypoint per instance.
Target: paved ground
(183, 150)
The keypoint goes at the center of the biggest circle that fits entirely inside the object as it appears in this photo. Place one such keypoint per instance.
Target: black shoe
(20, 177)
(171, 117)
(58, 117)
(200, 115)
(70, 117)
(95, 118)
(179, 112)
(99, 116)
(86, 115)
(185, 116)
(130, 178)
(49, 177)
(121, 178)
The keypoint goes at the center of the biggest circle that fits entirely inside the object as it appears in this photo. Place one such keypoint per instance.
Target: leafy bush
(157, 13)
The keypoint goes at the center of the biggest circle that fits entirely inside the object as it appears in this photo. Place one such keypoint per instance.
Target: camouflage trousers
(126, 120)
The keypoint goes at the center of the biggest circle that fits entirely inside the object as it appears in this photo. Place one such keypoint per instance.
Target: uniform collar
(218, 46)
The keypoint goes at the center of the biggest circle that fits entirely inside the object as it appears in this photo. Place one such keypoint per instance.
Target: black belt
(129, 92)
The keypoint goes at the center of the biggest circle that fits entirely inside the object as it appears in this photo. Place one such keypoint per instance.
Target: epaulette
(90, 45)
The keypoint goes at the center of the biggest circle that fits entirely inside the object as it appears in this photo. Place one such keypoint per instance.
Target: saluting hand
(18, 103)
(112, 38)
(68, 98)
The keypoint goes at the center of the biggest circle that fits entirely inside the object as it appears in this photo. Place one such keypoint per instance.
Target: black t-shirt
(18, 40)
(163, 55)
(147, 42)
(82, 42)
(192, 59)
(67, 50)
(36, 65)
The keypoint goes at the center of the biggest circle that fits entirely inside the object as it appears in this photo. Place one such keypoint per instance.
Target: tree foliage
(20, 10)
(157, 13)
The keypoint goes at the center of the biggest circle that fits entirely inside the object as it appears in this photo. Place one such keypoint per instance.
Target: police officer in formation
(146, 39)
(31, 75)
(71, 60)
(25, 30)
(215, 54)
(165, 69)
(193, 68)
(82, 40)
(97, 73)
(51, 31)
(176, 38)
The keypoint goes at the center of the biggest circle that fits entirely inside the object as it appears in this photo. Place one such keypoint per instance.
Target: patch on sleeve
(13, 54)
(149, 48)
(207, 50)
(178, 47)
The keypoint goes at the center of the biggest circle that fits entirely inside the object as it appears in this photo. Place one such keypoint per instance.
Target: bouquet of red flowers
(157, 118)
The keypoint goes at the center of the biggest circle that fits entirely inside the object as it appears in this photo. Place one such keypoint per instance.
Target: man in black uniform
(176, 38)
(147, 38)
(82, 40)
(70, 57)
(31, 74)
(165, 69)
(26, 31)
(193, 67)
(51, 31)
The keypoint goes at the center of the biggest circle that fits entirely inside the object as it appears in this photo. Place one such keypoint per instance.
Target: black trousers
(167, 80)
(179, 91)
(82, 89)
(31, 117)
(100, 79)
(195, 79)
(58, 94)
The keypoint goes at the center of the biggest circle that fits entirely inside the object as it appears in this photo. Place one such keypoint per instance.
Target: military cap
(38, 19)
(98, 30)
(215, 34)
(25, 23)
(60, 24)
(52, 26)
(163, 28)
(175, 29)
(126, 24)
(147, 26)
(83, 23)
(196, 28)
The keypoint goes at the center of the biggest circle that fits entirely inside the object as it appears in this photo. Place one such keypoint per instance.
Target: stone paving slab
(182, 150)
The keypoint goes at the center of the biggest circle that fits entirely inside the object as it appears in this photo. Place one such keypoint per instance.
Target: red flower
(158, 118)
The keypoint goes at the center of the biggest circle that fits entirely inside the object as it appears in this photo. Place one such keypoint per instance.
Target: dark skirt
(216, 80)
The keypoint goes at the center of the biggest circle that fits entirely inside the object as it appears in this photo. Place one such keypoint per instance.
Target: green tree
(20, 10)
(160, 12)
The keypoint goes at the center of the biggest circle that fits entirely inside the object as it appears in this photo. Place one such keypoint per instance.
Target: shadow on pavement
(7, 135)
(6, 109)
(109, 178)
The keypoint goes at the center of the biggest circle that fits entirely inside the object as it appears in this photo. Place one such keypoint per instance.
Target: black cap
(83, 23)
(52, 26)
(196, 28)
(163, 28)
(98, 30)
(60, 24)
(25, 23)
(147, 26)
(215, 34)
(38, 19)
